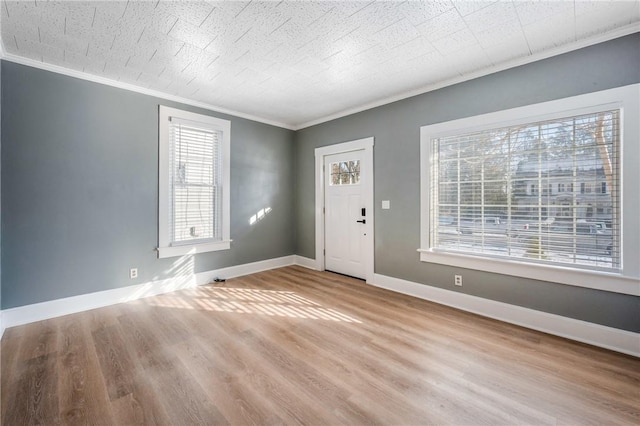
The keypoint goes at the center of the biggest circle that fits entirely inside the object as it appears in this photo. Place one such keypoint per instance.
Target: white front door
(345, 213)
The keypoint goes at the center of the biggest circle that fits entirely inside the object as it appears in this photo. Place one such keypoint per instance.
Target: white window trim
(165, 249)
(628, 100)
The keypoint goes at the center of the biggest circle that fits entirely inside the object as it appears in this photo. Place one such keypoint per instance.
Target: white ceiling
(294, 63)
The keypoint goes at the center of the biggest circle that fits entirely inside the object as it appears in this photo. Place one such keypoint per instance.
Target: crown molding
(133, 88)
(590, 41)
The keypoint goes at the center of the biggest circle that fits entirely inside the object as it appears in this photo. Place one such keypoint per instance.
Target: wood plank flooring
(292, 346)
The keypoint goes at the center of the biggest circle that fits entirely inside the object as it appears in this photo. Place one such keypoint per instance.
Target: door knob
(363, 221)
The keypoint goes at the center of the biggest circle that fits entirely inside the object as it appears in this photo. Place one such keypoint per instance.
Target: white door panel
(344, 203)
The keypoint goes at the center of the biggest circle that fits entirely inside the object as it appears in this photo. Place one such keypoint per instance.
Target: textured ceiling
(294, 62)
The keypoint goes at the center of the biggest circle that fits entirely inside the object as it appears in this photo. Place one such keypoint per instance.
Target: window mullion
(459, 191)
(574, 202)
(509, 193)
(482, 203)
(538, 247)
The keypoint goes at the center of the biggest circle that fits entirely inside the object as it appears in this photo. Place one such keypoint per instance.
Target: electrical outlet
(457, 280)
(133, 273)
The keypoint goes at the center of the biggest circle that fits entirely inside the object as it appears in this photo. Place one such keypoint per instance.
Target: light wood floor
(296, 346)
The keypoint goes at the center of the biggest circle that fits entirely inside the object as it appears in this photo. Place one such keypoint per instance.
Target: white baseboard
(70, 305)
(594, 334)
(249, 268)
(305, 262)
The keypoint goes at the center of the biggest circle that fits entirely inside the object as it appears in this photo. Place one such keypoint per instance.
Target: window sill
(570, 276)
(173, 251)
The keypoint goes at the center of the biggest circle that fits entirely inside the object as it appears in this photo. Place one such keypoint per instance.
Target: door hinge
(324, 251)
(323, 210)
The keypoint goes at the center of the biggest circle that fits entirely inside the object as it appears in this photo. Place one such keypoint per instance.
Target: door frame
(365, 144)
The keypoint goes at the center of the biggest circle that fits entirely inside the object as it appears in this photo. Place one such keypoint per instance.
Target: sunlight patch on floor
(250, 301)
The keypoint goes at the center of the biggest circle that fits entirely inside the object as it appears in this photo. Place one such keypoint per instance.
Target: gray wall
(396, 130)
(0, 196)
(80, 189)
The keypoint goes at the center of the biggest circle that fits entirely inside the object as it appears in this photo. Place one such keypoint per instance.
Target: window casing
(483, 174)
(193, 183)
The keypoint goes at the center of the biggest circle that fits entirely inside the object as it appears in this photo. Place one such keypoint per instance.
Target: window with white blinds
(193, 183)
(196, 196)
(503, 191)
(537, 191)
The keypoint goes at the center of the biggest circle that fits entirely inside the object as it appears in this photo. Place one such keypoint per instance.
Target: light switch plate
(386, 204)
